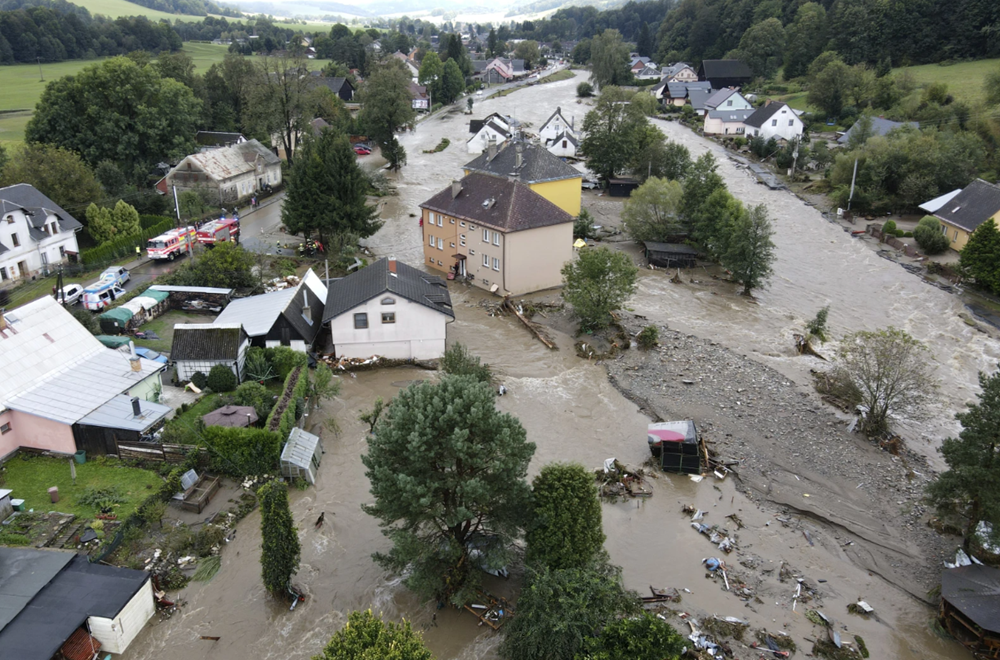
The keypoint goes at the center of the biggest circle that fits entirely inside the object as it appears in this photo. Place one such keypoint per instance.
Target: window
(496, 264)
(462, 242)
(496, 238)
(388, 317)
(774, 122)
(430, 241)
(440, 220)
(564, 144)
(791, 122)
(451, 244)
(472, 227)
(4, 275)
(5, 428)
(955, 237)
(388, 301)
(430, 259)
(15, 240)
(451, 220)
(462, 224)
(439, 263)
(486, 281)
(486, 236)
(10, 219)
(729, 103)
(486, 260)
(62, 252)
(440, 243)
(360, 321)
(471, 252)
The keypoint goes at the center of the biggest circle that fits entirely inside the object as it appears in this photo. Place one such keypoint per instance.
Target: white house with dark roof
(558, 135)
(774, 120)
(232, 173)
(388, 309)
(200, 346)
(726, 122)
(495, 129)
(727, 99)
(35, 233)
(679, 72)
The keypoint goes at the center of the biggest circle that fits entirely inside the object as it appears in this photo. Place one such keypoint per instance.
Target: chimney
(133, 359)
(392, 266)
(518, 157)
(491, 149)
(306, 309)
(456, 187)
(136, 410)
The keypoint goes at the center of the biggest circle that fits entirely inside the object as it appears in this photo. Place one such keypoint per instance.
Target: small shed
(622, 187)
(670, 255)
(6, 508)
(301, 456)
(676, 445)
(231, 416)
(970, 608)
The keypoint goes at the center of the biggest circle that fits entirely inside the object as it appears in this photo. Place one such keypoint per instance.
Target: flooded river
(572, 413)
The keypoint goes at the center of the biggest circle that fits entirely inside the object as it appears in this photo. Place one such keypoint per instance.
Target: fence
(151, 451)
(893, 241)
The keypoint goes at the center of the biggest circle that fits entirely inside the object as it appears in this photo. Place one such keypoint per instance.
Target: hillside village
(423, 338)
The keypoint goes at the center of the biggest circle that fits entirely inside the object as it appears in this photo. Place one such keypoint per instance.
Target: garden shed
(301, 456)
(670, 255)
(970, 608)
(147, 306)
(197, 347)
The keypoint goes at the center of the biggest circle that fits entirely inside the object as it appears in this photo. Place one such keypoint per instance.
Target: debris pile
(279, 283)
(719, 537)
(615, 481)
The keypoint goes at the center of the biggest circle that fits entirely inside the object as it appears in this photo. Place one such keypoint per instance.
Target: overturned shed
(970, 608)
(670, 255)
(676, 445)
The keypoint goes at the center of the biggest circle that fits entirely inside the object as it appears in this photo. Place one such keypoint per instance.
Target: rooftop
(207, 341)
(383, 276)
(24, 196)
(879, 126)
(257, 314)
(975, 591)
(978, 202)
(118, 414)
(764, 113)
(226, 162)
(498, 203)
(537, 164)
(726, 69)
(300, 448)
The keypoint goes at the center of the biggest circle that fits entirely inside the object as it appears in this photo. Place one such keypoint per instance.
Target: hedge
(282, 417)
(125, 245)
(148, 221)
(243, 452)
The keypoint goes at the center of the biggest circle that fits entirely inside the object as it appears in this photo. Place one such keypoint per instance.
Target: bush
(889, 228)
(648, 337)
(252, 393)
(125, 245)
(258, 367)
(221, 379)
(457, 361)
(929, 237)
(817, 327)
(285, 359)
(584, 90)
(199, 379)
(583, 226)
(242, 453)
(282, 417)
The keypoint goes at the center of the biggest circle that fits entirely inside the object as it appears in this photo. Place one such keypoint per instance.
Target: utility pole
(177, 207)
(40, 76)
(854, 178)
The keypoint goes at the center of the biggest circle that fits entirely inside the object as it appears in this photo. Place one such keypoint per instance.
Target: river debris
(861, 608)
(779, 641)
(490, 610)
(728, 626)
(524, 310)
(836, 649)
(803, 345)
(615, 480)
(662, 596)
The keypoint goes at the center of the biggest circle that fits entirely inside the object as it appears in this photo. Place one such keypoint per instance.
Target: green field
(964, 80)
(117, 8)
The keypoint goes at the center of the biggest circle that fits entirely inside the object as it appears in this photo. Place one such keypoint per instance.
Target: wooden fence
(152, 451)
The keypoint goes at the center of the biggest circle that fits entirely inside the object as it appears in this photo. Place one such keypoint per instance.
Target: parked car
(118, 274)
(101, 294)
(150, 354)
(71, 294)
(361, 150)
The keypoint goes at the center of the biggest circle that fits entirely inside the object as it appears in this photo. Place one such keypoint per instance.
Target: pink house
(61, 390)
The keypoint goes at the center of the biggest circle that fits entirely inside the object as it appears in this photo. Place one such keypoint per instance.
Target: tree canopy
(105, 224)
(566, 530)
(614, 131)
(651, 213)
(597, 283)
(117, 111)
(980, 258)
(326, 192)
(280, 549)
(749, 251)
(447, 472)
(57, 173)
(367, 637)
(609, 59)
(386, 105)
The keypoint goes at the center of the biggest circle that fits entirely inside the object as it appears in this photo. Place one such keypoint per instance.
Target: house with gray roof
(725, 73)
(879, 126)
(35, 233)
(200, 346)
(498, 234)
(389, 309)
(679, 72)
(288, 317)
(543, 172)
(774, 120)
(965, 212)
(232, 173)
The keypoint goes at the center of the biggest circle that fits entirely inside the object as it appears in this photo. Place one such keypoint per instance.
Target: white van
(101, 294)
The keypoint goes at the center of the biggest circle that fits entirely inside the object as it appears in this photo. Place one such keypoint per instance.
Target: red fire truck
(172, 244)
(219, 231)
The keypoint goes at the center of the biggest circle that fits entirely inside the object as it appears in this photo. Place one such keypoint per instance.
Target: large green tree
(327, 190)
(598, 282)
(367, 637)
(280, 549)
(276, 101)
(828, 87)
(613, 132)
(980, 258)
(749, 252)
(452, 82)
(117, 111)
(565, 530)
(713, 223)
(761, 47)
(105, 224)
(658, 157)
(971, 484)
(431, 74)
(609, 59)
(701, 181)
(225, 265)
(804, 39)
(386, 106)
(642, 636)
(447, 472)
(57, 173)
(559, 610)
(652, 212)
(527, 50)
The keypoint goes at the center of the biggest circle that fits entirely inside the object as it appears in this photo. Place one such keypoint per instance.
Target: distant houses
(725, 73)
(559, 135)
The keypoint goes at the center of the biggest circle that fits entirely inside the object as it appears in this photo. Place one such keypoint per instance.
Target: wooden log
(533, 327)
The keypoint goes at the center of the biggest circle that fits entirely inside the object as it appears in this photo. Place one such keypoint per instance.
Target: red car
(361, 150)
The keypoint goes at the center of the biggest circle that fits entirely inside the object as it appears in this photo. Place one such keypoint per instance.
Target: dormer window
(388, 301)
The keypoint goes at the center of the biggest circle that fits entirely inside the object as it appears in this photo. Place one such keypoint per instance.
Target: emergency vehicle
(219, 231)
(172, 244)
(101, 294)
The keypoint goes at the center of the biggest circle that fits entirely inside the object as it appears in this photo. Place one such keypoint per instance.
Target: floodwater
(572, 413)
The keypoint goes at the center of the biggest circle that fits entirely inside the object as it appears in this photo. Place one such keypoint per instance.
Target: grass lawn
(564, 74)
(118, 8)
(964, 79)
(163, 326)
(31, 477)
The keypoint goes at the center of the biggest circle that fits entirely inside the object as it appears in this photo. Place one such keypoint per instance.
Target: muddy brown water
(573, 414)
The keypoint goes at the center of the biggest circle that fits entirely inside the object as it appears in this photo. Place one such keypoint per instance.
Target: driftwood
(530, 325)
(804, 347)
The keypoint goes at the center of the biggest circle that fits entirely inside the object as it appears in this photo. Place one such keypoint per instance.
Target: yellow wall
(565, 193)
(957, 236)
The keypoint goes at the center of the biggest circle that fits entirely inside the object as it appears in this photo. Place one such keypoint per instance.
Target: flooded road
(571, 411)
